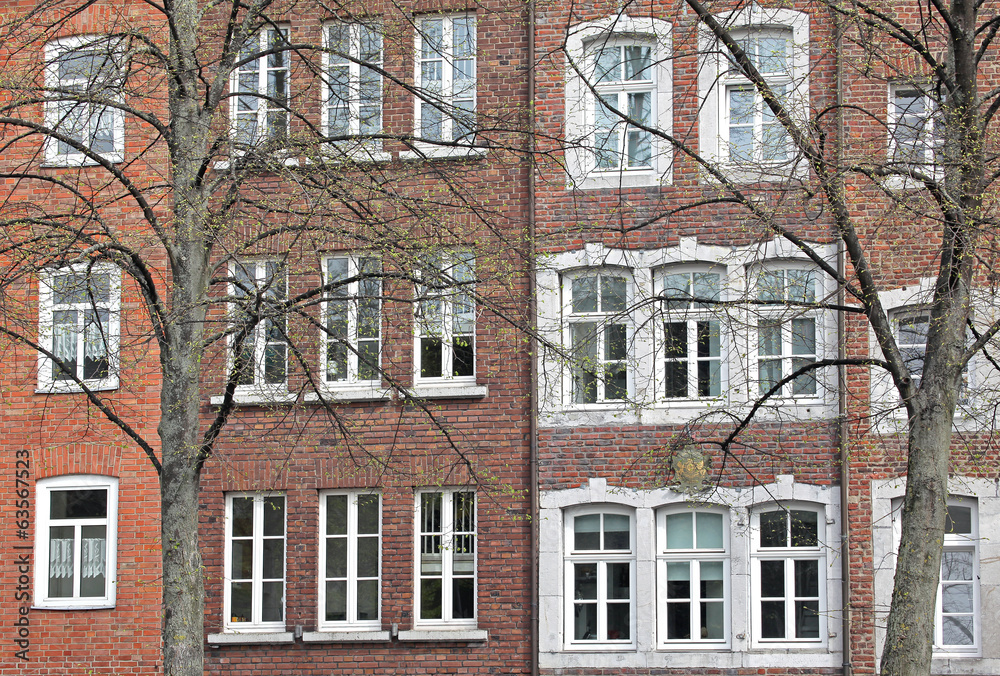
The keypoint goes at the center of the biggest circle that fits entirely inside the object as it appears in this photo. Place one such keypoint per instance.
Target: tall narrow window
(79, 322)
(259, 316)
(260, 86)
(692, 578)
(786, 342)
(446, 540)
(789, 577)
(598, 336)
(255, 563)
(83, 75)
(600, 579)
(958, 625)
(446, 317)
(446, 72)
(913, 140)
(353, 100)
(754, 133)
(353, 333)
(623, 79)
(76, 542)
(350, 559)
(692, 344)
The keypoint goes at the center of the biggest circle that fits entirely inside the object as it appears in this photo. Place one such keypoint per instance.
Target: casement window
(76, 542)
(788, 576)
(259, 289)
(446, 558)
(79, 325)
(350, 560)
(754, 133)
(255, 562)
(259, 102)
(957, 615)
(911, 327)
(624, 82)
(692, 341)
(600, 579)
(787, 339)
(913, 138)
(446, 318)
(353, 94)
(83, 76)
(353, 326)
(598, 333)
(692, 578)
(446, 77)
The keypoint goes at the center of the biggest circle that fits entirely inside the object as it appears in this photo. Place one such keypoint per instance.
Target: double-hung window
(957, 625)
(623, 81)
(598, 337)
(258, 313)
(692, 341)
(446, 318)
(350, 560)
(84, 77)
(353, 95)
(260, 80)
(913, 140)
(754, 133)
(255, 562)
(912, 327)
(353, 328)
(76, 542)
(600, 579)
(79, 324)
(788, 574)
(787, 339)
(446, 556)
(692, 570)
(446, 77)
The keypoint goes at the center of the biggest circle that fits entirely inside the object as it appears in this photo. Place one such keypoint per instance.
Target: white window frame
(619, 91)
(448, 551)
(43, 496)
(602, 558)
(259, 268)
(353, 61)
(926, 144)
(583, 40)
(603, 319)
(260, 96)
(692, 315)
(255, 623)
(786, 315)
(352, 577)
(47, 382)
(789, 554)
(450, 98)
(458, 266)
(695, 557)
(351, 295)
(715, 80)
(53, 52)
(957, 542)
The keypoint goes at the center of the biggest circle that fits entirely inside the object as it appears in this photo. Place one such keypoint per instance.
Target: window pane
(608, 65)
(241, 602)
(805, 528)
(807, 578)
(956, 598)
(585, 624)
(463, 598)
(772, 578)
(712, 581)
(368, 600)
(959, 520)
(619, 619)
(242, 559)
(242, 517)
(616, 531)
(368, 514)
(613, 292)
(368, 552)
(61, 564)
(957, 565)
(807, 619)
(430, 357)
(618, 581)
(773, 529)
(336, 601)
(678, 621)
(274, 516)
(272, 601)
(336, 557)
(78, 504)
(638, 63)
(958, 630)
(772, 619)
(336, 515)
(587, 532)
(709, 530)
(430, 598)
(680, 533)
(713, 620)
(584, 291)
(585, 581)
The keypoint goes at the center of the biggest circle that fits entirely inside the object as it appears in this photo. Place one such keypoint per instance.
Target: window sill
(429, 151)
(607, 180)
(353, 154)
(56, 605)
(449, 391)
(224, 165)
(250, 638)
(453, 635)
(346, 636)
(350, 393)
(257, 398)
(73, 388)
(79, 161)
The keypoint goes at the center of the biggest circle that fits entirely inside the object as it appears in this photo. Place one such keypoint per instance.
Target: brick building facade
(404, 484)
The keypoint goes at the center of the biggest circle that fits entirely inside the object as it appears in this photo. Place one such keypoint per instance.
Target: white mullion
(692, 357)
(257, 570)
(77, 562)
(447, 549)
(602, 595)
(353, 269)
(352, 557)
(447, 78)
